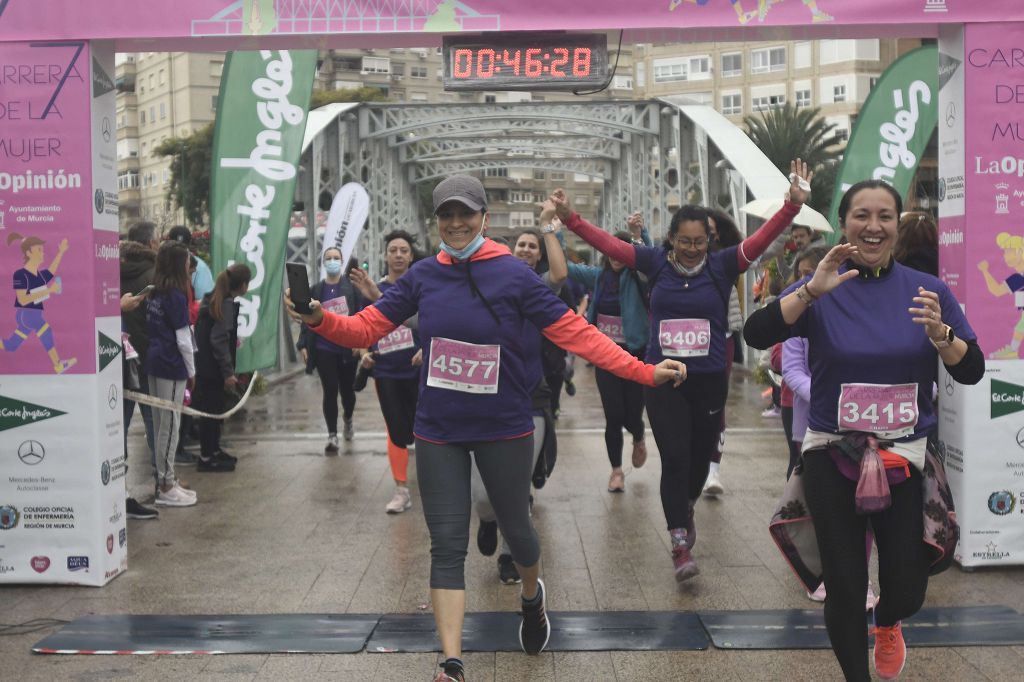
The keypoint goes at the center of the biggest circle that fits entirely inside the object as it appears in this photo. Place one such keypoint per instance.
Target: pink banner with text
(196, 19)
(46, 237)
(995, 186)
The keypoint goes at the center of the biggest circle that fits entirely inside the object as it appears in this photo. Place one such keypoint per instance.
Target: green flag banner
(257, 141)
(893, 126)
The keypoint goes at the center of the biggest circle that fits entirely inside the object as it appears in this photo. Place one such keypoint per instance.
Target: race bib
(884, 409)
(466, 367)
(338, 306)
(684, 338)
(611, 326)
(398, 339)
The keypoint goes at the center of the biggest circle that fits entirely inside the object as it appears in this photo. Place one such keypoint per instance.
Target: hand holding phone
(145, 291)
(298, 285)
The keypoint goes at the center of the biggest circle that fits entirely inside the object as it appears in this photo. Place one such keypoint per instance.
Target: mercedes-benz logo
(31, 452)
(949, 385)
(1020, 438)
(950, 114)
(105, 128)
(112, 396)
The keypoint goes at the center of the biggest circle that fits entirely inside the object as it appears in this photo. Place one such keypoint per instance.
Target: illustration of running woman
(1013, 256)
(33, 285)
(817, 15)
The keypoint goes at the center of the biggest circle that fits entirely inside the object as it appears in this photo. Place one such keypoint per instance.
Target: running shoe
(507, 571)
(617, 482)
(570, 388)
(890, 651)
(639, 453)
(400, 501)
(713, 486)
(771, 411)
(451, 672)
(332, 444)
(176, 496)
(135, 510)
(818, 595)
(535, 629)
(346, 429)
(684, 563)
(214, 464)
(184, 458)
(223, 454)
(487, 537)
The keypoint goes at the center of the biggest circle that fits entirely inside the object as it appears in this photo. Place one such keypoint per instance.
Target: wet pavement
(293, 531)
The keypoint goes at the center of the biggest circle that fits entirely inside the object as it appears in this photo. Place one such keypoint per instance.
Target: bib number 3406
(878, 408)
(466, 367)
(684, 338)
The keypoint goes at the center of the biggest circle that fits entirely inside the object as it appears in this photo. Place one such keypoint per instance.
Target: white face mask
(332, 267)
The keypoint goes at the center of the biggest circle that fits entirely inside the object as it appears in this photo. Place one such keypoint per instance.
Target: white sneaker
(400, 501)
(174, 497)
(713, 486)
(187, 491)
(871, 599)
(818, 594)
(332, 444)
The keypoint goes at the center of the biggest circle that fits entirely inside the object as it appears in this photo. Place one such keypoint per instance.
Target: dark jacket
(137, 266)
(217, 340)
(307, 338)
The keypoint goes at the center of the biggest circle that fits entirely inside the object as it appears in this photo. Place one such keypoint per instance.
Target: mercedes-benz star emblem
(949, 385)
(1020, 438)
(106, 129)
(112, 396)
(950, 114)
(31, 452)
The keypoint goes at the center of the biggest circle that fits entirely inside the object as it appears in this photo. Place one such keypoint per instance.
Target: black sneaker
(507, 571)
(570, 388)
(134, 510)
(535, 629)
(214, 464)
(487, 537)
(451, 671)
(221, 454)
(184, 458)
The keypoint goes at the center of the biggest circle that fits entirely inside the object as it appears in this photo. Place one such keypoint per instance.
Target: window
(622, 83)
(641, 74)
(121, 121)
(557, 175)
(521, 197)
(167, 176)
(143, 148)
(872, 82)
(833, 51)
(582, 200)
(376, 65)
(490, 99)
(216, 69)
(768, 102)
(839, 93)
(842, 134)
(732, 104)
(418, 97)
(128, 180)
(539, 175)
(398, 69)
(418, 71)
(768, 59)
(163, 77)
(732, 64)
(802, 53)
(496, 173)
(803, 98)
(682, 69)
(152, 114)
(150, 81)
(163, 111)
(142, 117)
(521, 219)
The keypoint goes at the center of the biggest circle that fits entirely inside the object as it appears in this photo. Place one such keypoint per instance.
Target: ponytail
(231, 279)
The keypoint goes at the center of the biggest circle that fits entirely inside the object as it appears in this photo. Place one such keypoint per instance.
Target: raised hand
(929, 313)
(827, 277)
(799, 182)
(315, 317)
(366, 286)
(562, 206)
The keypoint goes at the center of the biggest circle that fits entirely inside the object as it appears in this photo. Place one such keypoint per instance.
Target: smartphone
(145, 290)
(298, 283)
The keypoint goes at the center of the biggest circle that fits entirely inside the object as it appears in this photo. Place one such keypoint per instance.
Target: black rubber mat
(239, 634)
(805, 629)
(570, 631)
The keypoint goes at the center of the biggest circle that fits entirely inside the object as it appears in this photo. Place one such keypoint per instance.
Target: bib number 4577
(465, 367)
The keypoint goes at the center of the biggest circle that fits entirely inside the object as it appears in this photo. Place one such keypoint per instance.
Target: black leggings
(337, 373)
(398, 404)
(443, 475)
(685, 422)
(794, 446)
(903, 559)
(209, 397)
(623, 403)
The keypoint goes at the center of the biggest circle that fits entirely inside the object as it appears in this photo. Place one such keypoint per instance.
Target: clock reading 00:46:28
(533, 62)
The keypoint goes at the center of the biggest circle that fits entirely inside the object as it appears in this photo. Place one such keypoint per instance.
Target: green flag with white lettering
(893, 126)
(257, 141)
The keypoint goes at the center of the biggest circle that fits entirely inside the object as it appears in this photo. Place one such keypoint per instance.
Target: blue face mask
(467, 251)
(332, 267)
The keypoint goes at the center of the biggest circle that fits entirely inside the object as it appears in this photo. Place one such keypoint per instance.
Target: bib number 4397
(878, 408)
(466, 367)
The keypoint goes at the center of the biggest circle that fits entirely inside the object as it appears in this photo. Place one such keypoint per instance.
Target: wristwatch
(547, 229)
(947, 338)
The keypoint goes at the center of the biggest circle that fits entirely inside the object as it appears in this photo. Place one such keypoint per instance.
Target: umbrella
(766, 208)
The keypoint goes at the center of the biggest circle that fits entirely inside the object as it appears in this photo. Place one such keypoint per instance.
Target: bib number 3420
(889, 409)
(466, 367)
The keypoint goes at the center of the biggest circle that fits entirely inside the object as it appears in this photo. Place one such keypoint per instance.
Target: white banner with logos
(345, 222)
(981, 433)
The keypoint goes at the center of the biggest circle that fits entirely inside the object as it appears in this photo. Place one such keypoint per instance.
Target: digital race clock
(525, 61)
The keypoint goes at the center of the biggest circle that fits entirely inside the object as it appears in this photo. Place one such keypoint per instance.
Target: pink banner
(47, 247)
(214, 20)
(995, 186)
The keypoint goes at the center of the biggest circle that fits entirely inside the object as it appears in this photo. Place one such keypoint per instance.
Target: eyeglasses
(688, 243)
(460, 213)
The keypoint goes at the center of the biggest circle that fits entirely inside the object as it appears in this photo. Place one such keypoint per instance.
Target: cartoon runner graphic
(32, 286)
(1013, 256)
(817, 15)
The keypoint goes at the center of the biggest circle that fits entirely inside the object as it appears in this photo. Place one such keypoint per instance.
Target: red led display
(526, 61)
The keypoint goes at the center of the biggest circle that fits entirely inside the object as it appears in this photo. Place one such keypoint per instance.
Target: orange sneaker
(890, 651)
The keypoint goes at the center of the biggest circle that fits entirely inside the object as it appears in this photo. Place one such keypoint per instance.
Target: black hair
(542, 263)
(142, 232)
(684, 214)
(844, 203)
(409, 239)
(725, 226)
(622, 235)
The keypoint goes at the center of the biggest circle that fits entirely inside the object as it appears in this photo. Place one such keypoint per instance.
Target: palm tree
(787, 132)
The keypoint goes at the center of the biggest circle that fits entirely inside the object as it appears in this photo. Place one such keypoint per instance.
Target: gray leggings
(443, 475)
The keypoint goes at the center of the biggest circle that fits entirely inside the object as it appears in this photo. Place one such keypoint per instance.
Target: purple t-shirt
(862, 333)
(704, 296)
(608, 300)
(165, 313)
(26, 281)
(450, 309)
(397, 363)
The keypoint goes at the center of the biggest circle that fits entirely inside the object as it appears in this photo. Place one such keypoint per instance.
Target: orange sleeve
(572, 333)
(357, 331)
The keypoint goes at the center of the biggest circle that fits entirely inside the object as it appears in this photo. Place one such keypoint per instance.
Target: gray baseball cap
(462, 188)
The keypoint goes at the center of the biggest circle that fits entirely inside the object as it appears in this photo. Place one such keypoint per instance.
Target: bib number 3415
(889, 409)
(466, 367)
